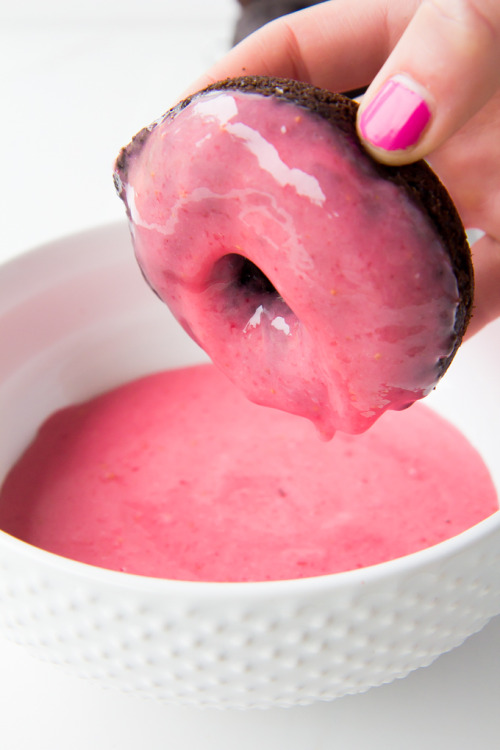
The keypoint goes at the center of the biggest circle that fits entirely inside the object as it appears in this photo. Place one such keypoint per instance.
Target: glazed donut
(321, 282)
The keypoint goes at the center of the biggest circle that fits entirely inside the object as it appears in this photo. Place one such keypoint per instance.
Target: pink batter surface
(178, 476)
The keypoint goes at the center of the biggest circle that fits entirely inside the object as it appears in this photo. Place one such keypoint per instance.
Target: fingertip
(392, 123)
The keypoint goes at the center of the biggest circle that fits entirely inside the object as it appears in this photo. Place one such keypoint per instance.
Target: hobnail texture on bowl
(87, 323)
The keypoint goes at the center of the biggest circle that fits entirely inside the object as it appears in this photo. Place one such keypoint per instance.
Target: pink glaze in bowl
(75, 319)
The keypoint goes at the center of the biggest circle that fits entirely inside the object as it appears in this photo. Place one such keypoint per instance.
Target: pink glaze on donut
(179, 476)
(352, 305)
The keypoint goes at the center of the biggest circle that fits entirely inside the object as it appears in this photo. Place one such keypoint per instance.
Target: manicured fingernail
(396, 118)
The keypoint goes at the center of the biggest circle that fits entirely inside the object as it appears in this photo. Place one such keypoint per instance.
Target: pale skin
(449, 51)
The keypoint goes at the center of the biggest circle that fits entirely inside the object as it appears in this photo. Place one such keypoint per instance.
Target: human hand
(434, 72)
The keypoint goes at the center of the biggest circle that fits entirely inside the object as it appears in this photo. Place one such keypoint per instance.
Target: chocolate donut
(320, 281)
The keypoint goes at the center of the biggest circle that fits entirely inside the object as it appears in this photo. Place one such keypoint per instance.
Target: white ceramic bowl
(76, 318)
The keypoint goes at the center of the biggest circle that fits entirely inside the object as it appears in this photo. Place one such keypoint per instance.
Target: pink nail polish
(396, 118)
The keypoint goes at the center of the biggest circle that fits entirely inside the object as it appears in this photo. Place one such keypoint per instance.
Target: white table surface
(77, 80)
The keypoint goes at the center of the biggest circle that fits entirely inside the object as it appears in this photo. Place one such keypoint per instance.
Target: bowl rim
(410, 564)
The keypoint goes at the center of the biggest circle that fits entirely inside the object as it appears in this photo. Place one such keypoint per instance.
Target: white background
(77, 79)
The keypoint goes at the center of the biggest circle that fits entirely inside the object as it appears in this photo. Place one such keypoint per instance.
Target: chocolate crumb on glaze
(417, 180)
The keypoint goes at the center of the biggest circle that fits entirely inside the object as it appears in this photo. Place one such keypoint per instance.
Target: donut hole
(245, 278)
(242, 274)
(248, 300)
(251, 278)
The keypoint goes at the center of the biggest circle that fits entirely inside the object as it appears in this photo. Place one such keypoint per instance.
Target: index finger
(338, 45)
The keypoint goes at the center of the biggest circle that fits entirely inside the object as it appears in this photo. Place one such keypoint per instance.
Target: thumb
(443, 69)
